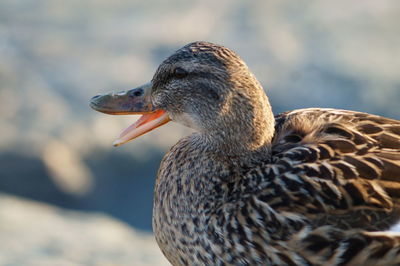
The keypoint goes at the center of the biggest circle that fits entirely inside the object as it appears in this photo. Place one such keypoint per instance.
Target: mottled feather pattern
(308, 182)
(316, 189)
(341, 155)
(341, 170)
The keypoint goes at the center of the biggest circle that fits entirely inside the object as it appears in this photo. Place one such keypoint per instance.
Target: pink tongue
(145, 123)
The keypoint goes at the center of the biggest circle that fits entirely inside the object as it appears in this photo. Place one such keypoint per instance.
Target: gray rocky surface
(36, 234)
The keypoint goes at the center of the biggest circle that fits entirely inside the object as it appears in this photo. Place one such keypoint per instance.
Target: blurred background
(67, 197)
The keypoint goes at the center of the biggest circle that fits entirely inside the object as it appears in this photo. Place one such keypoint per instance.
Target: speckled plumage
(308, 196)
(307, 187)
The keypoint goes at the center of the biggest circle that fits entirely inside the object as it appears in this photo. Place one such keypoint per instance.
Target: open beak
(131, 102)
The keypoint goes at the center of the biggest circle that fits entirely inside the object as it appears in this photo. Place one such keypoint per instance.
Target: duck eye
(180, 73)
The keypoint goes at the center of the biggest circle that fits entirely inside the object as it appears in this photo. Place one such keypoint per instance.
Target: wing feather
(347, 164)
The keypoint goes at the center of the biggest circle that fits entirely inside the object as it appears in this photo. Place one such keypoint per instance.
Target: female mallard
(307, 187)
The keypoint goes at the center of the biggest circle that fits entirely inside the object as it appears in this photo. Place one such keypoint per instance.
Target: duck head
(204, 86)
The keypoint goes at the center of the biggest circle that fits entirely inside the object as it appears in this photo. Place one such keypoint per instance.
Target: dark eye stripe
(204, 75)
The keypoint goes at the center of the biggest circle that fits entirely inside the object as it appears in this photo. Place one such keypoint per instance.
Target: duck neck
(250, 130)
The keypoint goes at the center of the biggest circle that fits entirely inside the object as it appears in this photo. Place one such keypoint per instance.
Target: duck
(306, 187)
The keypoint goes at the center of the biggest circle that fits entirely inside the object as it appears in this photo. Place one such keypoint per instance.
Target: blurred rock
(35, 234)
(123, 185)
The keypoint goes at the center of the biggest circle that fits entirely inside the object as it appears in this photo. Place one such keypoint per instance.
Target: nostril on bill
(136, 93)
(95, 97)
